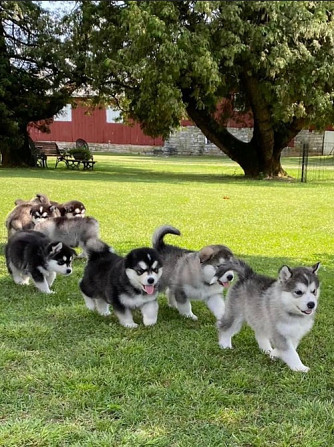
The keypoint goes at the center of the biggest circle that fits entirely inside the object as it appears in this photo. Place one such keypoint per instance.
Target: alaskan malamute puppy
(24, 215)
(30, 254)
(280, 311)
(73, 208)
(125, 283)
(75, 232)
(191, 275)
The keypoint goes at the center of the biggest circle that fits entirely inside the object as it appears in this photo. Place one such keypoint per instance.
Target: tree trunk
(260, 157)
(17, 152)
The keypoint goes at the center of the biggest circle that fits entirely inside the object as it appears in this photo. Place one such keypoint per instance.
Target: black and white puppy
(30, 254)
(126, 283)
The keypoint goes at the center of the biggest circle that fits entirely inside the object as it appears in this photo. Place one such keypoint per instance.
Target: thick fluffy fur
(125, 283)
(27, 212)
(191, 275)
(21, 217)
(30, 254)
(280, 311)
(73, 208)
(75, 232)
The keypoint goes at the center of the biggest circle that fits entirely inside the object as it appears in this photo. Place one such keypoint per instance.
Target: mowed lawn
(72, 378)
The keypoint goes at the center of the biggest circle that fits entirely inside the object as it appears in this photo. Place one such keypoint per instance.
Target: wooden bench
(45, 149)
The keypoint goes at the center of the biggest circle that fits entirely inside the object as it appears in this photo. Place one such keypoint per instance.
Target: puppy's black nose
(150, 280)
(68, 271)
(310, 305)
(229, 277)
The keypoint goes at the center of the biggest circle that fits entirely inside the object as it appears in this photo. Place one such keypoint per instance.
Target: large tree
(162, 60)
(36, 78)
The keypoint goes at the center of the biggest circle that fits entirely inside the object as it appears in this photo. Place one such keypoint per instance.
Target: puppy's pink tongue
(226, 285)
(149, 290)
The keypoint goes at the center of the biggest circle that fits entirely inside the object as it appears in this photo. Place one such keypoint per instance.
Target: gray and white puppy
(75, 232)
(191, 275)
(280, 311)
(30, 254)
(25, 213)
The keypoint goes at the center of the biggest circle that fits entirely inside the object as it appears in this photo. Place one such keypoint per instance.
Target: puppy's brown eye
(298, 292)
(140, 271)
(313, 291)
(155, 270)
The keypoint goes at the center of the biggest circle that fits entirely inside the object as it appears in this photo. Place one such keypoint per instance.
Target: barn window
(113, 116)
(65, 114)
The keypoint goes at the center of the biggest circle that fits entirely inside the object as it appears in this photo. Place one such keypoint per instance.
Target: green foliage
(162, 60)
(36, 78)
(79, 153)
(72, 378)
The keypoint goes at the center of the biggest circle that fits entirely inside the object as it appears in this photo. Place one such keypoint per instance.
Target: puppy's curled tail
(95, 248)
(160, 232)
(243, 270)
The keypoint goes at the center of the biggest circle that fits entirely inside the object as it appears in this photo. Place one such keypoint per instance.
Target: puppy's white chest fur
(295, 329)
(203, 292)
(136, 300)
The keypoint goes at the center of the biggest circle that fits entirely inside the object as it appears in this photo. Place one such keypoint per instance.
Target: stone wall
(191, 141)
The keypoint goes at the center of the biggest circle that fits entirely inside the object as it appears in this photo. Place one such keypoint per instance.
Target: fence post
(304, 162)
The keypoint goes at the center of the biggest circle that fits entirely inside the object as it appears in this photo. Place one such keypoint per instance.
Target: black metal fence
(314, 165)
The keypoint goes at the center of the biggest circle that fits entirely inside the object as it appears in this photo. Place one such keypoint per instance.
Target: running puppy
(25, 213)
(125, 283)
(75, 232)
(73, 208)
(280, 311)
(30, 254)
(192, 274)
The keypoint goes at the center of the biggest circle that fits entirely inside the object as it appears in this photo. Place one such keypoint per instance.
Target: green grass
(72, 378)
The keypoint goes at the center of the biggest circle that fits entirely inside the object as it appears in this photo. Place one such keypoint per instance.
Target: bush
(80, 153)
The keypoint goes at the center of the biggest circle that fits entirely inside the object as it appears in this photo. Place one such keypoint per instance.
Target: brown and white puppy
(191, 275)
(73, 208)
(23, 215)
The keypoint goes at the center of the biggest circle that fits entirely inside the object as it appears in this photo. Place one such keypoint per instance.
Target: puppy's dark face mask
(144, 269)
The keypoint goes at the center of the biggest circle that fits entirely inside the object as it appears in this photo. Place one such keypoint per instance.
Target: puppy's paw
(191, 316)
(130, 325)
(105, 313)
(225, 346)
(149, 322)
(301, 368)
(225, 343)
(273, 354)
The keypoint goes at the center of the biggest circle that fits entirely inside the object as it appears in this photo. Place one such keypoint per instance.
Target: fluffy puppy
(23, 215)
(30, 254)
(75, 232)
(280, 311)
(73, 208)
(191, 275)
(126, 283)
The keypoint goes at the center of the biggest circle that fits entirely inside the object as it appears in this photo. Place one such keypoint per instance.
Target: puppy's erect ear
(55, 247)
(315, 268)
(205, 254)
(285, 273)
(42, 198)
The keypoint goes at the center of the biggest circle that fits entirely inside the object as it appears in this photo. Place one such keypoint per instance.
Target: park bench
(45, 149)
